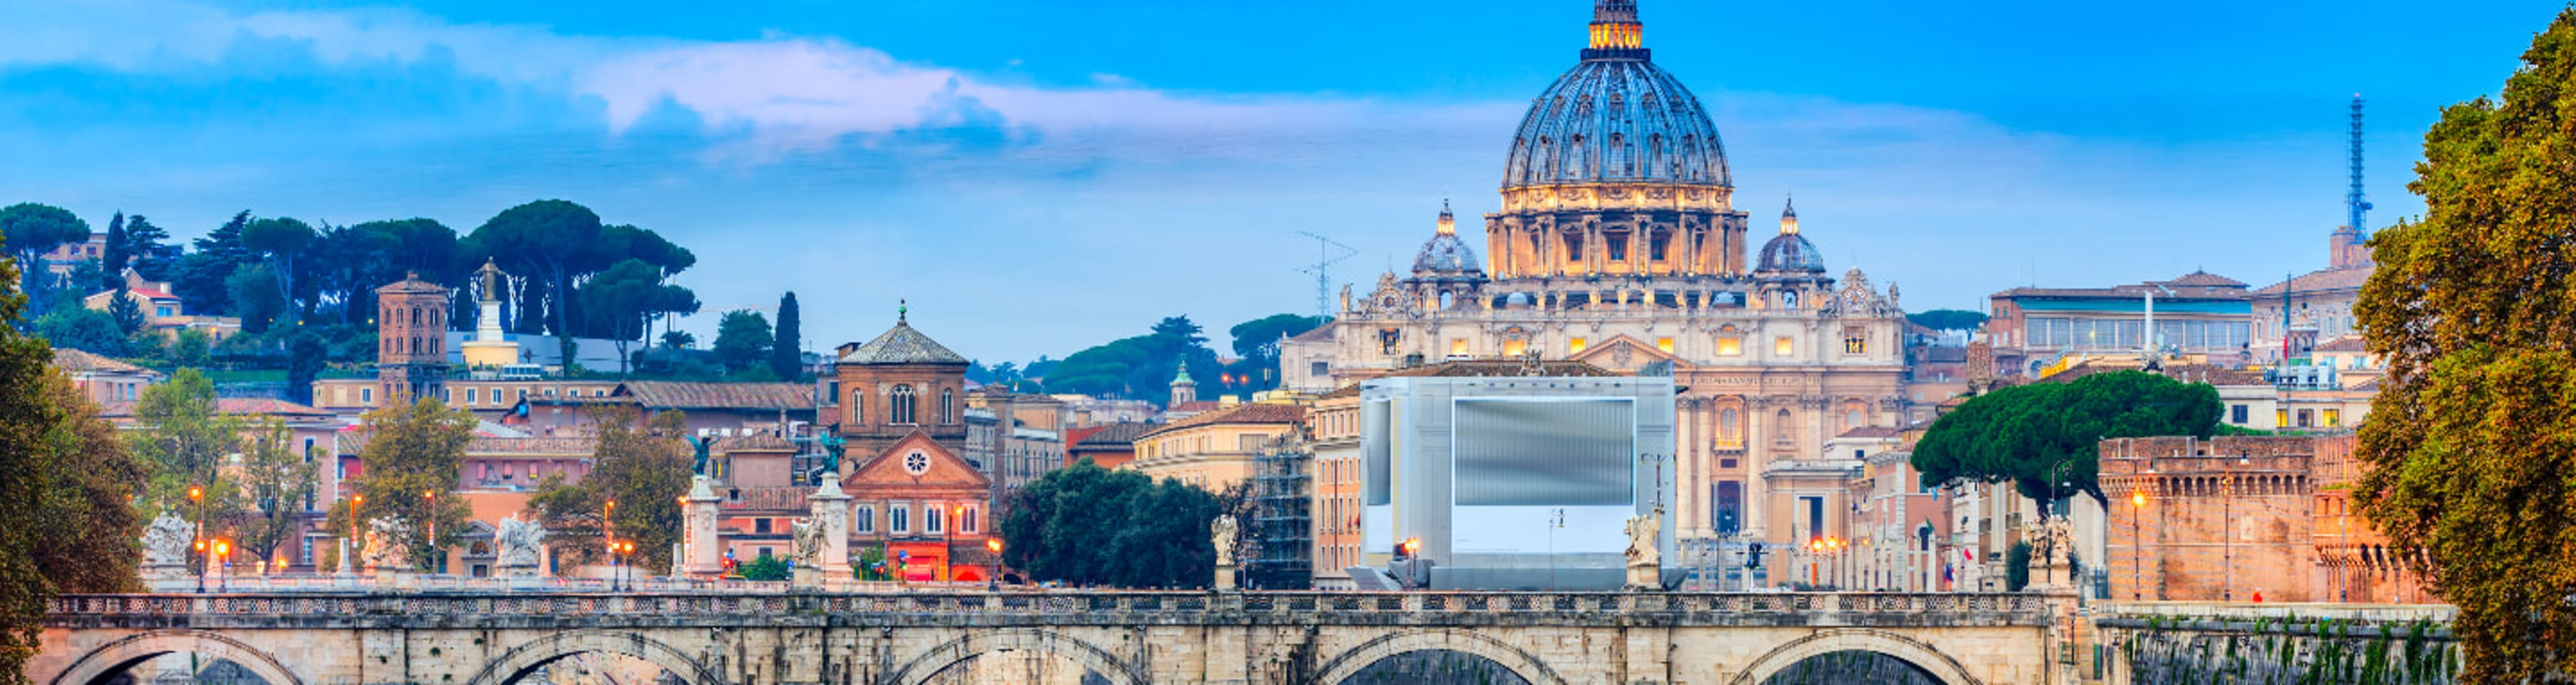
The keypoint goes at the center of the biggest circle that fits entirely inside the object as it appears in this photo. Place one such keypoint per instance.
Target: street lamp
(993, 581)
(223, 549)
(430, 511)
(197, 494)
(2137, 545)
(948, 529)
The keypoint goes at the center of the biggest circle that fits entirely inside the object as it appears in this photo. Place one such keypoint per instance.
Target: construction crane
(1324, 261)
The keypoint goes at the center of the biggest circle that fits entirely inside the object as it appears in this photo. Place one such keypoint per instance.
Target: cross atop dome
(1616, 33)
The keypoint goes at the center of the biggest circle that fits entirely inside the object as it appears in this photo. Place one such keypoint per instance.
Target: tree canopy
(415, 454)
(1948, 319)
(1085, 525)
(640, 464)
(787, 351)
(2045, 437)
(743, 340)
(1141, 367)
(2472, 438)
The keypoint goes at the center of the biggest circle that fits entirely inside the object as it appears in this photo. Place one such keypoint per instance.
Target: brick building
(2227, 518)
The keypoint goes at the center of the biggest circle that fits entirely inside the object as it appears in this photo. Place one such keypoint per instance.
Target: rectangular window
(1576, 345)
(1319, 369)
(1730, 347)
(867, 519)
(2237, 414)
(1664, 344)
(1784, 346)
(1457, 347)
(1855, 341)
(366, 395)
(967, 526)
(760, 525)
(2280, 418)
(471, 396)
(1377, 448)
(1514, 348)
(2334, 417)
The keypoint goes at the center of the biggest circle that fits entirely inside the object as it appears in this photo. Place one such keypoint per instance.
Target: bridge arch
(1940, 666)
(1350, 662)
(535, 654)
(974, 644)
(124, 652)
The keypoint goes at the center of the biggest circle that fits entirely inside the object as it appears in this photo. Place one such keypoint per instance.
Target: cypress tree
(786, 356)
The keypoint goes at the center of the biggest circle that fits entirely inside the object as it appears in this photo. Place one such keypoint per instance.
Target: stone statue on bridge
(1642, 532)
(165, 549)
(385, 551)
(521, 551)
(1221, 532)
(807, 537)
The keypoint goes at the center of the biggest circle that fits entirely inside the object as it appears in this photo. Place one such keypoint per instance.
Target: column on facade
(1689, 481)
(1757, 491)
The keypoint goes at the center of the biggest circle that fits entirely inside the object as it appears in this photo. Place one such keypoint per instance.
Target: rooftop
(2326, 280)
(902, 345)
(69, 359)
(2197, 285)
(1256, 414)
(685, 395)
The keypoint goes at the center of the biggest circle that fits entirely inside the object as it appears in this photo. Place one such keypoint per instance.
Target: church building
(1618, 242)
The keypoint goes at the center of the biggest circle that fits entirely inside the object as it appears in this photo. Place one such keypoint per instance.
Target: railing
(1285, 607)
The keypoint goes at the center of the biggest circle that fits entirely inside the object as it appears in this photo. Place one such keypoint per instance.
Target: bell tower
(411, 340)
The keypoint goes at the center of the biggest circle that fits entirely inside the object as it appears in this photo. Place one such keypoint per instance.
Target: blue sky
(1036, 177)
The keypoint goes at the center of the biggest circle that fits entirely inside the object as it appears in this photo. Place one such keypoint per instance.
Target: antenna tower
(1325, 258)
(2353, 200)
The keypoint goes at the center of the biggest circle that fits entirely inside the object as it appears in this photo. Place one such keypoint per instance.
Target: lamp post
(993, 581)
(948, 533)
(2137, 545)
(429, 498)
(1555, 520)
(197, 494)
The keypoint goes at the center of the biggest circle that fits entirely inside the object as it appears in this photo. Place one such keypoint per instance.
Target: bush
(2017, 567)
(764, 568)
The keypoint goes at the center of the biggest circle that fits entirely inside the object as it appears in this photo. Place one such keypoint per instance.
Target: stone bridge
(1125, 638)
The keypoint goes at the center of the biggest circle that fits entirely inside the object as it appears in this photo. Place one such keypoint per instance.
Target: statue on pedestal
(385, 551)
(1645, 559)
(165, 548)
(519, 541)
(1221, 532)
(699, 466)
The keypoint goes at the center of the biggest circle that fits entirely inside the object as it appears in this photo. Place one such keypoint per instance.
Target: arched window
(1729, 425)
(899, 410)
(948, 406)
(415, 316)
(1780, 430)
(1851, 419)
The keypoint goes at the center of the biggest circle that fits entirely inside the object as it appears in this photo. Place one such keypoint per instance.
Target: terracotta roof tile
(902, 345)
(245, 406)
(1242, 413)
(566, 446)
(680, 395)
(2322, 281)
(69, 359)
(762, 442)
(1116, 436)
(2345, 344)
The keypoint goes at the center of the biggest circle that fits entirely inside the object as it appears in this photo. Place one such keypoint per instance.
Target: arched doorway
(1834, 656)
(537, 655)
(1422, 657)
(1024, 655)
(208, 653)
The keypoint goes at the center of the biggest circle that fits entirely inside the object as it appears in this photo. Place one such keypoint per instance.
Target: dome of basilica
(1790, 252)
(1446, 253)
(1616, 118)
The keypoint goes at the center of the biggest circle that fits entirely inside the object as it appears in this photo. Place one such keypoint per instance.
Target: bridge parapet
(2156, 642)
(522, 609)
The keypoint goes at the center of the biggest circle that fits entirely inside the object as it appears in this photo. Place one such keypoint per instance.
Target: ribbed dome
(1446, 253)
(1791, 252)
(1616, 118)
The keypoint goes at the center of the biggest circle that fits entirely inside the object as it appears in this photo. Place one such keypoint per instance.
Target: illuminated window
(1784, 346)
(1575, 346)
(1513, 348)
(2334, 417)
(1457, 347)
(1855, 341)
(2280, 417)
(1730, 347)
(1665, 344)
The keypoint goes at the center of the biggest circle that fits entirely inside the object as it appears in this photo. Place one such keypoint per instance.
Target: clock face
(916, 463)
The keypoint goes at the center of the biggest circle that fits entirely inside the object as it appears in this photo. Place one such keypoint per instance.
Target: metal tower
(2353, 200)
(1324, 261)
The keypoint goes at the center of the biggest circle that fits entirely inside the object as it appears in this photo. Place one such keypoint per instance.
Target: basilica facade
(1619, 243)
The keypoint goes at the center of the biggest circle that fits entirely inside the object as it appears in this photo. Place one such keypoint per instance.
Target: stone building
(1336, 488)
(1215, 450)
(2318, 304)
(2033, 330)
(914, 495)
(1618, 242)
(411, 337)
(2225, 518)
(1108, 446)
(102, 379)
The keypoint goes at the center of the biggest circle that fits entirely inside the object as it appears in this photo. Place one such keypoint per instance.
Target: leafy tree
(188, 348)
(415, 455)
(202, 278)
(621, 298)
(82, 329)
(641, 466)
(552, 242)
(786, 353)
(85, 278)
(763, 568)
(306, 355)
(68, 528)
(2045, 437)
(1140, 367)
(2469, 438)
(1086, 525)
(277, 481)
(678, 340)
(179, 433)
(2017, 566)
(146, 250)
(253, 292)
(1948, 319)
(743, 339)
(31, 230)
(1256, 342)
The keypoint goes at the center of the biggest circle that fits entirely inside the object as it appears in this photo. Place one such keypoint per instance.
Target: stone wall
(2187, 642)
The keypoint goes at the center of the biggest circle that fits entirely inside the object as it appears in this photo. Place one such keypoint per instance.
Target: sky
(1032, 177)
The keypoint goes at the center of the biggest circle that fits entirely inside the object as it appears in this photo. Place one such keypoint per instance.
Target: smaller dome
(1791, 252)
(1446, 253)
